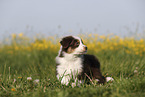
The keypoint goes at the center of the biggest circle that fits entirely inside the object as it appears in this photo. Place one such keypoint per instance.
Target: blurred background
(64, 17)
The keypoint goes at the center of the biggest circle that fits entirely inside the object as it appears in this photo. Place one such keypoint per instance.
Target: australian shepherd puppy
(73, 62)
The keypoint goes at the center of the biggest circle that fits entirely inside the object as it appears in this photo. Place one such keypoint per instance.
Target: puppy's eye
(77, 43)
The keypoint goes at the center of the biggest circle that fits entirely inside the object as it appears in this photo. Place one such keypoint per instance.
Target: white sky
(73, 16)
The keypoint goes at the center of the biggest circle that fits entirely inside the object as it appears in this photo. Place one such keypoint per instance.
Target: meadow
(27, 67)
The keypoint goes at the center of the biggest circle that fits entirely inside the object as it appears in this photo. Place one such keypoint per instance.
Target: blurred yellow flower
(16, 47)
(20, 34)
(136, 52)
(13, 36)
(93, 42)
(141, 40)
(13, 89)
(127, 51)
(111, 48)
(102, 37)
(20, 77)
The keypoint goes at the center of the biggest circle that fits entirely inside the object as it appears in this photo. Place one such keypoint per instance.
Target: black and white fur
(73, 63)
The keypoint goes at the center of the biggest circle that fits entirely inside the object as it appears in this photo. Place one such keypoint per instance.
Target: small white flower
(14, 80)
(135, 71)
(29, 78)
(73, 85)
(36, 81)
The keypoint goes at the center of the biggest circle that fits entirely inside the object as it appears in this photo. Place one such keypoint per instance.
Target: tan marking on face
(70, 50)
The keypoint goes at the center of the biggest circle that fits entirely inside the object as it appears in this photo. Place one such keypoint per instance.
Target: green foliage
(126, 69)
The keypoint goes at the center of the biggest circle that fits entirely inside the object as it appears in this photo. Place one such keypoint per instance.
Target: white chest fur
(68, 69)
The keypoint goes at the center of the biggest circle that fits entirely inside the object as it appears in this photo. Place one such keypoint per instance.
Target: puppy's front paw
(109, 79)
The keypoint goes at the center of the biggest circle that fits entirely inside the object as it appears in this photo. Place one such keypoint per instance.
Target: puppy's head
(73, 45)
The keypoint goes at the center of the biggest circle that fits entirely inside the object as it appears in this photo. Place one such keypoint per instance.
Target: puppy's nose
(86, 48)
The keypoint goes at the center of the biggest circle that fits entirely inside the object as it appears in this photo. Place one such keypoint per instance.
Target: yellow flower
(115, 44)
(127, 51)
(19, 77)
(102, 37)
(144, 49)
(16, 48)
(111, 48)
(13, 89)
(136, 52)
(10, 52)
(20, 34)
(13, 36)
(141, 40)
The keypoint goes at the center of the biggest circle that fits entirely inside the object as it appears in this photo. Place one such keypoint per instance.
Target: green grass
(40, 64)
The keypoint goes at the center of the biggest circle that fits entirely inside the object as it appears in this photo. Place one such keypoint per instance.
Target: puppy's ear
(66, 42)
